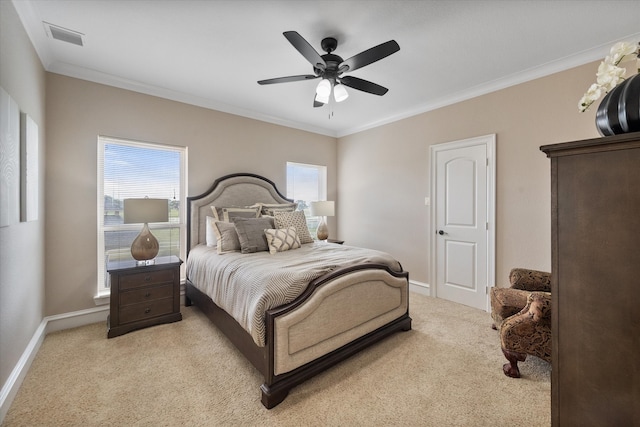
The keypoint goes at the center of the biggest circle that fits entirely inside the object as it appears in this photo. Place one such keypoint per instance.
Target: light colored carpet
(447, 371)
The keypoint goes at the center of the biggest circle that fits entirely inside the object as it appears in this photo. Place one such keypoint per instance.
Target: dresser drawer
(137, 280)
(135, 312)
(148, 294)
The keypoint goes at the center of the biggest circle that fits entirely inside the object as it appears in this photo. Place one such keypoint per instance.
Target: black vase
(619, 111)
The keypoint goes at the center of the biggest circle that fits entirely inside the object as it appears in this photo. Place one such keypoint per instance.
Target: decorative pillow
(251, 233)
(294, 219)
(212, 240)
(282, 239)
(227, 237)
(270, 209)
(227, 213)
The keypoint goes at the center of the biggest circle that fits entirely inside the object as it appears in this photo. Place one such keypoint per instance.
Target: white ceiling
(212, 53)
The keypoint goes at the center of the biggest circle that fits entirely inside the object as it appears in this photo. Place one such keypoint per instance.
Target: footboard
(337, 316)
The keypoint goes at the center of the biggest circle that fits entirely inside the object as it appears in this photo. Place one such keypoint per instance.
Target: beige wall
(218, 144)
(392, 164)
(22, 265)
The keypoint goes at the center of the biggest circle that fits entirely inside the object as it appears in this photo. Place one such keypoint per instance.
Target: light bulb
(324, 88)
(323, 99)
(340, 93)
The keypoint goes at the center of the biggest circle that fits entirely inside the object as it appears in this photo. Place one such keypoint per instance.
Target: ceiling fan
(330, 67)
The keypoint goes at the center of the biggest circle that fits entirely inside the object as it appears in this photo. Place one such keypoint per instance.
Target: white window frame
(103, 292)
(312, 221)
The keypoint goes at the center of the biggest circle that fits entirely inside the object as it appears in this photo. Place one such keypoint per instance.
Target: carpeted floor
(447, 371)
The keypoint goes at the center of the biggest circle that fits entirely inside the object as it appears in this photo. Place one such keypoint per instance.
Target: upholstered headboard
(240, 189)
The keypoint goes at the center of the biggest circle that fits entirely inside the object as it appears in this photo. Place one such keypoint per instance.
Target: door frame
(489, 141)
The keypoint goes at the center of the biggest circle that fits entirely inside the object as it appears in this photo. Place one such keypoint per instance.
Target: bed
(329, 312)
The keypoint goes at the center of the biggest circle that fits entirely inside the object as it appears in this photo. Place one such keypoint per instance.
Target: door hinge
(486, 225)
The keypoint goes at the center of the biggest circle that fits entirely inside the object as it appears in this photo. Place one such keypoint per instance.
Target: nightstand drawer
(135, 312)
(151, 293)
(137, 280)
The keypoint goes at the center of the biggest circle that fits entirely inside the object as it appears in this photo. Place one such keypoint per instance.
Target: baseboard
(48, 324)
(420, 288)
(11, 386)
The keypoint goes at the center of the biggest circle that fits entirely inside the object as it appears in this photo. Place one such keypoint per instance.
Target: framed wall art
(29, 168)
(9, 160)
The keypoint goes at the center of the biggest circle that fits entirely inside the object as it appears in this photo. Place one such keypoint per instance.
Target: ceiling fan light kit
(324, 88)
(330, 67)
(340, 93)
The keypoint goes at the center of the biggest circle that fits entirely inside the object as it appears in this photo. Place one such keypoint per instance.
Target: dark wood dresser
(595, 237)
(143, 296)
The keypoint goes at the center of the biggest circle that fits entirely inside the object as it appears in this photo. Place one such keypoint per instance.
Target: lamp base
(322, 232)
(145, 247)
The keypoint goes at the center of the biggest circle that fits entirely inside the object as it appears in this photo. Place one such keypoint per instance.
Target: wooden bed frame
(281, 367)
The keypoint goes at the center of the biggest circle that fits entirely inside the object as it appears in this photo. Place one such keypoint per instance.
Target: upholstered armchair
(505, 302)
(528, 332)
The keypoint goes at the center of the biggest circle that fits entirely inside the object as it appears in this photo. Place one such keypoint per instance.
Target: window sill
(103, 298)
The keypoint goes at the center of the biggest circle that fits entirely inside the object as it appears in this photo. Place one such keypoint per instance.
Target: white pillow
(211, 234)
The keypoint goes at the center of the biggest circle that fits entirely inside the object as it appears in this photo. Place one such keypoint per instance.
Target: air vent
(63, 34)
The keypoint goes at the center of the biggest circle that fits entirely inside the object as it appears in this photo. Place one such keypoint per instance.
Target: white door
(463, 225)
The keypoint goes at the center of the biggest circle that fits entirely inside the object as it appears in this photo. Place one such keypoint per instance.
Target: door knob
(441, 232)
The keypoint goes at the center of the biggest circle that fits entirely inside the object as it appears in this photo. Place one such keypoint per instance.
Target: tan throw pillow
(227, 237)
(282, 239)
(227, 214)
(269, 209)
(294, 219)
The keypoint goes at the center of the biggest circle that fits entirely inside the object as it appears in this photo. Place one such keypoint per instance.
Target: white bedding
(247, 285)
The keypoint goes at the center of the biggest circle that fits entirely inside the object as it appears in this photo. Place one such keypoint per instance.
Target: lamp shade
(322, 208)
(140, 211)
(340, 93)
(324, 88)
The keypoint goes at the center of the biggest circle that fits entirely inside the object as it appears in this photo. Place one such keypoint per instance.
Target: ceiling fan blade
(287, 79)
(363, 85)
(369, 56)
(305, 49)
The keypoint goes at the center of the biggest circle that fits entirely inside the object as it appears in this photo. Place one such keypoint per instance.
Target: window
(129, 169)
(306, 184)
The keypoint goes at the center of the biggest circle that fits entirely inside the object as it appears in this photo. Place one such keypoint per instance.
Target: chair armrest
(529, 332)
(530, 280)
(539, 306)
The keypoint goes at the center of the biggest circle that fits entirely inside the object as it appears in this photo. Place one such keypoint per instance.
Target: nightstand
(337, 242)
(143, 296)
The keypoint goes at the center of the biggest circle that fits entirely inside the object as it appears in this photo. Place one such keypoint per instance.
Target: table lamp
(145, 247)
(322, 209)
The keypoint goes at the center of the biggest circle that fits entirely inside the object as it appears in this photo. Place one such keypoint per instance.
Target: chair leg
(511, 369)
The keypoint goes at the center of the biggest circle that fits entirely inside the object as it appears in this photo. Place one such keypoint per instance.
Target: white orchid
(593, 94)
(622, 52)
(609, 74)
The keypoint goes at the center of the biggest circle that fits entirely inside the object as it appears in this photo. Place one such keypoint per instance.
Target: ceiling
(212, 53)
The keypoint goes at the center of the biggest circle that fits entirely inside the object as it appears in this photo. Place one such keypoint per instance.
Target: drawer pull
(147, 278)
(147, 311)
(147, 295)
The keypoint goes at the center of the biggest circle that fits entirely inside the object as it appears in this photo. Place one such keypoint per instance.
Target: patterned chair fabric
(506, 302)
(522, 314)
(528, 332)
